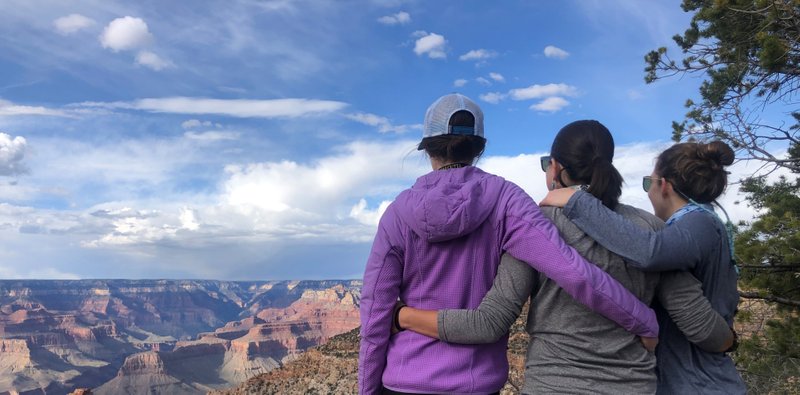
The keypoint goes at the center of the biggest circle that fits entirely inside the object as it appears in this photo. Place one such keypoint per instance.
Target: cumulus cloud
(153, 61)
(240, 108)
(551, 104)
(12, 152)
(539, 91)
(126, 33)
(364, 215)
(72, 23)
(431, 44)
(477, 54)
(459, 83)
(550, 93)
(383, 123)
(554, 52)
(492, 97)
(400, 18)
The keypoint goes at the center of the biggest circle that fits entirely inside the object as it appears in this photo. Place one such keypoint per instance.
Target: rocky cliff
(332, 368)
(161, 336)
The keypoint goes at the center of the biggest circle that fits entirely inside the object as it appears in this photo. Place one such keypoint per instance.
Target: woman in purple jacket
(438, 246)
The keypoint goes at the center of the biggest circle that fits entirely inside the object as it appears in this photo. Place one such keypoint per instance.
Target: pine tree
(748, 52)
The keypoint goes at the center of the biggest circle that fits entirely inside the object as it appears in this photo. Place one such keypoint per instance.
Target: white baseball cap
(437, 118)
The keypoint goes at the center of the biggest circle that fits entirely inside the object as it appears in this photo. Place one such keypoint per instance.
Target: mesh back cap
(437, 118)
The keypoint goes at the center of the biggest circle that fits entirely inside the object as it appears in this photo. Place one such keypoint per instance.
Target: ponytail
(605, 183)
(585, 149)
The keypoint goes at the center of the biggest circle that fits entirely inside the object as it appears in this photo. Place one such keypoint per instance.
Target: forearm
(681, 295)
(498, 310)
(644, 248)
(423, 322)
(486, 324)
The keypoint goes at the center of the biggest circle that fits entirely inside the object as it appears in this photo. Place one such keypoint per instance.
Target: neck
(674, 203)
(437, 163)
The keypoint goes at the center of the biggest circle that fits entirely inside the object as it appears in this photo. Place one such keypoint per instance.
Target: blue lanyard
(693, 206)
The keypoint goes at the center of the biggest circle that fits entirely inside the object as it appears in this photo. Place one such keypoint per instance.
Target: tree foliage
(749, 52)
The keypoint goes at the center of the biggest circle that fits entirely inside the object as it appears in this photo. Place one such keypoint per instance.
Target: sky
(257, 140)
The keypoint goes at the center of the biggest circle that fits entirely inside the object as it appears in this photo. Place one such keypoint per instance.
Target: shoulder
(639, 217)
(701, 224)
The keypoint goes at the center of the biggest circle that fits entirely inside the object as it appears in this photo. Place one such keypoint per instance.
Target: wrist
(735, 344)
(397, 326)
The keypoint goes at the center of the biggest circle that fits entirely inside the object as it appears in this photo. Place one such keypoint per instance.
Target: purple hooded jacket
(438, 246)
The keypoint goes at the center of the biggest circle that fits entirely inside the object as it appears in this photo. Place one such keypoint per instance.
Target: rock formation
(162, 336)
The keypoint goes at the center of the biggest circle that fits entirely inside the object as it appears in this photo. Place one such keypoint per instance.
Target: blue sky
(253, 139)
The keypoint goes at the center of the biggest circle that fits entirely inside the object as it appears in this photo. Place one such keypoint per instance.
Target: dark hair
(455, 147)
(585, 149)
(696, 170)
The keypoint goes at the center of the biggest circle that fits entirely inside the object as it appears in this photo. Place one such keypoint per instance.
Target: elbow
(494, 335)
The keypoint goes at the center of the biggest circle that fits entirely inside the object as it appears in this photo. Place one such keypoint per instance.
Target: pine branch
(769, 298)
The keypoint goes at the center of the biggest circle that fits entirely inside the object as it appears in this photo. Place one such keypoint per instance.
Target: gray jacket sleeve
(676, 247)
(498, 310)
(681, 294)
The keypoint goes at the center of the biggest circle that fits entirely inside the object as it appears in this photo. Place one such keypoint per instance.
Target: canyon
(162, 336)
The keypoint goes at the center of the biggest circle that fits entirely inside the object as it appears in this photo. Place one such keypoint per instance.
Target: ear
(666, 188)
(557, 168)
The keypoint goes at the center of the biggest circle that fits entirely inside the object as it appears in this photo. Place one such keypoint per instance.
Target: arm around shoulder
(498, 310)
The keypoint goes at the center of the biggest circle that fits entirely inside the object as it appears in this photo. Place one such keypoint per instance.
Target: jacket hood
(447, 204)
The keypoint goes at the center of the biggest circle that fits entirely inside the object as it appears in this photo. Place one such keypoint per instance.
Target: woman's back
(446, 226)
(572, 349)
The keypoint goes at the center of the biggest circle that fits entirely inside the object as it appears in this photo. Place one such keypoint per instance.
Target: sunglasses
(545, 162)
(647, 182)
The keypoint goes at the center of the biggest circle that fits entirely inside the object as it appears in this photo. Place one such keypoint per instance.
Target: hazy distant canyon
(161, 336)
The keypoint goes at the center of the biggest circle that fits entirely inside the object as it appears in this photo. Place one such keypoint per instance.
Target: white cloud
(383, 123)
(539, 91)
(240, 108)
(195, 123)
(8, 108)
(72, 23)
(497, 77)
(211, 136)
(477, 54)
(126, 33)
(492, 97)
(153, 61)
(459, 83)
(432, 44)
(362, 214)
(400, 18)
(12, 152)
(554, 52)
(483, 81)
(551, 104)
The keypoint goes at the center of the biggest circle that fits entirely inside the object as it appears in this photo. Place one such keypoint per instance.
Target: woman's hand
(557, 197)
(649, 343)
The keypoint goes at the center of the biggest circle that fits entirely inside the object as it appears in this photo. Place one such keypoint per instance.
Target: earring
(553, 185)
